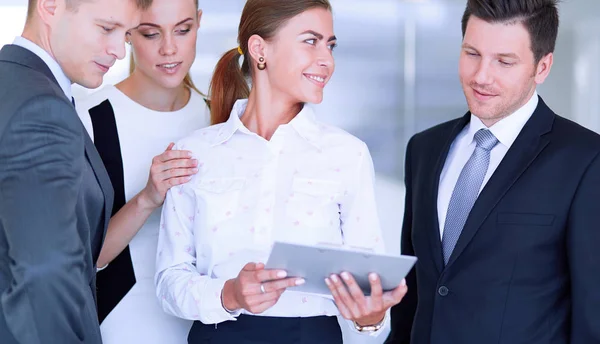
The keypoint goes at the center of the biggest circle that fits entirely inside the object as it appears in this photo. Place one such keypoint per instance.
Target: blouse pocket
(313, 203)
(219, 198)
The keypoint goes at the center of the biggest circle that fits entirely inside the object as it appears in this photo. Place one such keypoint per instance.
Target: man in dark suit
(502, 205)
(55, 195)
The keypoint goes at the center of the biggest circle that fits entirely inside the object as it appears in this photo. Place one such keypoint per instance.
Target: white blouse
(310, 184)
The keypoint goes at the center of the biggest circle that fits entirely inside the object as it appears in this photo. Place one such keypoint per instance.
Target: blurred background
(396, 74)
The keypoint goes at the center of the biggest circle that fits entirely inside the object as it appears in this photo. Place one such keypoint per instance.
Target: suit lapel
(528, 145)
(101, 176)
(434, 225)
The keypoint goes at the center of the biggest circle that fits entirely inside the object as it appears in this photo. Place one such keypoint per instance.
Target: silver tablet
(315, 263)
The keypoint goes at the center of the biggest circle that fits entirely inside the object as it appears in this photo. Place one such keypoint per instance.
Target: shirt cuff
(213, 305)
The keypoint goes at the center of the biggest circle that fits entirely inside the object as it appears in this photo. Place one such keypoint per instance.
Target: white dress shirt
(505, 130)
(310, 184)
(59, 75)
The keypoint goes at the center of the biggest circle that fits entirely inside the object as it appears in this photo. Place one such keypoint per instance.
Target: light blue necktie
(466, 190)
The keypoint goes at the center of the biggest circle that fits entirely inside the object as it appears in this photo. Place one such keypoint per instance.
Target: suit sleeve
(403, 313)
(583, 238)
(42, 154)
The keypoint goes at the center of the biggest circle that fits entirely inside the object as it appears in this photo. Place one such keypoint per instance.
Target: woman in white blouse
(268, 170)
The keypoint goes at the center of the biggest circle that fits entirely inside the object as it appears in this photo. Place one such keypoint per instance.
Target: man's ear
(47, 10)
(543, 68)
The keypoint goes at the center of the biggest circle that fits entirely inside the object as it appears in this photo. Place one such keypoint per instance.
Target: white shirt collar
(59, 75)
(304, 124)
(507, 129)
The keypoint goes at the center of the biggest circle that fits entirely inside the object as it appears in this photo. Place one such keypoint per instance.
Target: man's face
(87, 40)
(497, 68)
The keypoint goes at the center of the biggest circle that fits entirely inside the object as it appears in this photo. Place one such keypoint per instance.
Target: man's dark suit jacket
(526, 268)
(55, 202)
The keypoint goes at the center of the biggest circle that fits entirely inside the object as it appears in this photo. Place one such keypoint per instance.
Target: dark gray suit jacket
(55, 203)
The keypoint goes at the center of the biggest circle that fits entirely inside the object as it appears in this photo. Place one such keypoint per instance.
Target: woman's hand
(173, 167)
(256, 289)
(355, 306)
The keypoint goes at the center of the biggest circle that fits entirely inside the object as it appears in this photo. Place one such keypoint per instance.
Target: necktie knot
(485, 139)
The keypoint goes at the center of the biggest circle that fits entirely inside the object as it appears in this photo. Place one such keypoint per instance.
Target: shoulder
(200, 140)
(45, 116)
(330, 135)
(579, 144)
(566, 135)
(92, 101)
(22, 86)
(22, 80)
(30, 100)
(439, 129)
(89, 101)
(434, 136)
(575, 134)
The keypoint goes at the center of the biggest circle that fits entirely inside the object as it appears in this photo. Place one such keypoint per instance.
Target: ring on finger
(262, 288)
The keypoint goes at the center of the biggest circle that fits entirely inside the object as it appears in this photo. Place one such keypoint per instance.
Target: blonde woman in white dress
(133, 125)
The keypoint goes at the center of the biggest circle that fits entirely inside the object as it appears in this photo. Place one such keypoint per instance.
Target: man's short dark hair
(540, 18)
(73, 4)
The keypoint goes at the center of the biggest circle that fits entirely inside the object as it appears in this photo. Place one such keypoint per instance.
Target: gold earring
(262, 65)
